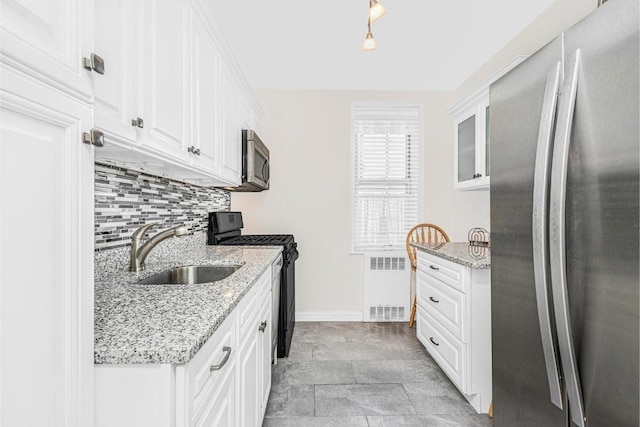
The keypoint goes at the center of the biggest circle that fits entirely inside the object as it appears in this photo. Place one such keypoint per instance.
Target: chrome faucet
(140, 251)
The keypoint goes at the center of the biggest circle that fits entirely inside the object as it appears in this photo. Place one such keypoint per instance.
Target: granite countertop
(458, 252)
(168, 323)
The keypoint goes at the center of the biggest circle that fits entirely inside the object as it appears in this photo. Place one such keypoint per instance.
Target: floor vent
(387, 263)
(386, 313)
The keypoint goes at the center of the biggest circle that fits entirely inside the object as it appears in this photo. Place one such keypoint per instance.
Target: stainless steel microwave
(255, 163)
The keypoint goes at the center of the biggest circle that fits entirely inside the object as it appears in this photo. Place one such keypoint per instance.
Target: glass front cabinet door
(471, 143)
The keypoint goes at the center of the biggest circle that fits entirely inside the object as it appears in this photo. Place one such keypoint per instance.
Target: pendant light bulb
(369, 42)
(376, 10)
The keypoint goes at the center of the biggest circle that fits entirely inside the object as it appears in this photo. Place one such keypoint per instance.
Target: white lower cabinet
(454, 324)
(265, 353)
(223, 385)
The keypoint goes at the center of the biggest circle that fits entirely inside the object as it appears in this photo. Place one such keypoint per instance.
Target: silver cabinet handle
(194, 150)
(93, 137)
(477, 175)
(433, 267)
(539, 229)
(557, 237)
(263, 326)
(227, 351)
(93, 63)
(434, 300)
(137, 122)
(434, 343)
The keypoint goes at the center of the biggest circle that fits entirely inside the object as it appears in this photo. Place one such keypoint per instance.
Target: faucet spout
(139, 251)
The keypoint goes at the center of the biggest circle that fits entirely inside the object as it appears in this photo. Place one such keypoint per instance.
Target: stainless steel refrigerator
(565, 161)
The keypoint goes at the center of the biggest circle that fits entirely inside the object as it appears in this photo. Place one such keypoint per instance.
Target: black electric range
(224, 229)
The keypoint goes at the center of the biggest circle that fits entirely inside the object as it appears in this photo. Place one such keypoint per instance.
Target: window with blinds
(385, 175)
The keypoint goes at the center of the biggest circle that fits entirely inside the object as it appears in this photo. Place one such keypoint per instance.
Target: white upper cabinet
(471, 171)
(231, 169)
(206, 98)
(173, 102)
(48, 39)
(471, 135)
(116, 40)
(165, 76)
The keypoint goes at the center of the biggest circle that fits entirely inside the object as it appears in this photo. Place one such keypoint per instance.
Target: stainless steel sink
(191, 275)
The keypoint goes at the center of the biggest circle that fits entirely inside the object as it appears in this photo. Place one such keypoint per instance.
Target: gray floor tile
(329, 372)
(299, 352)
(316, 422)
(365, 351)
(441, 405)
(394, 371)
(288, 401)
(362, 399)
(429, 421)
(439, 387)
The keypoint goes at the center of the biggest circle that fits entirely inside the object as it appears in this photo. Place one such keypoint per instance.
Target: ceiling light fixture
(376, 10)
(369, 41)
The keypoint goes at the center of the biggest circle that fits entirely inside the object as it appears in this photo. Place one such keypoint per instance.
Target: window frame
(352, 167)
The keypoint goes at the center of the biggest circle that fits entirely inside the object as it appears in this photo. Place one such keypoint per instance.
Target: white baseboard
(328, 316)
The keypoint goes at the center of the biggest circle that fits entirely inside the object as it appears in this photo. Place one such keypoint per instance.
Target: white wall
(308, 134)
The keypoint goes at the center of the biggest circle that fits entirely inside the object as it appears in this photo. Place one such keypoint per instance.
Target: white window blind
(385, 182)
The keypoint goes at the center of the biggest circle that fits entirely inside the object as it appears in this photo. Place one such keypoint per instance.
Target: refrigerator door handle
(557, 238)
(539, 231)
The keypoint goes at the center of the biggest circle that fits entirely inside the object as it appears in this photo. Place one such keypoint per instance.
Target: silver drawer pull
(433, 267)
(219, 366)
(434, 300)
(434, 343)
(263, 326)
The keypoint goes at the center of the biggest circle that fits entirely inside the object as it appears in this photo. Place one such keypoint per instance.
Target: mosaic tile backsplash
(126, 200)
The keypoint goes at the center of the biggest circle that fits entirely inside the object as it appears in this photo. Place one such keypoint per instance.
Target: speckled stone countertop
(461, 253)
(168, 323)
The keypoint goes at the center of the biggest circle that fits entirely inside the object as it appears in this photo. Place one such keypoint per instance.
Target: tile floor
(363, 374)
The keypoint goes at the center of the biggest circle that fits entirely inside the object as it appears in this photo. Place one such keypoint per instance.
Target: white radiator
(386, 287)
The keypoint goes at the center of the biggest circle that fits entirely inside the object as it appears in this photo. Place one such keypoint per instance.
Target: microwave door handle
(557, 238)
(265, 172)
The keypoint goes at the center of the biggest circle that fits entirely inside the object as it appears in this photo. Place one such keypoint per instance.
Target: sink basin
(190, 275)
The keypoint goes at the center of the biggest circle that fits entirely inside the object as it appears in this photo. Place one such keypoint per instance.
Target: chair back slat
(423, 233)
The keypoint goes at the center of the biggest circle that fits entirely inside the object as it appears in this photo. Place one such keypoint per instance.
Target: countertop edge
(441, 253)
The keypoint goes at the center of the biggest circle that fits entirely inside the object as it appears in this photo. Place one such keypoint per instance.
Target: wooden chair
(422, 233)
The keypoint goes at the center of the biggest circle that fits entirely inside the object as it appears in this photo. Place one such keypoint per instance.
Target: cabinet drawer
(447, 305)
(264, 283)
(212, 353)
(446, 271)
(248, 313)
(447, 351)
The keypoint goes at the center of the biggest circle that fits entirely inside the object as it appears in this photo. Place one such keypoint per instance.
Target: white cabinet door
(117, 42)
(231, 144)
(221, 410)
(471, 143)
(47, 39)
(46, 256)
(248, 381)
(205, 97)
(164, 75)
(264, 355)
